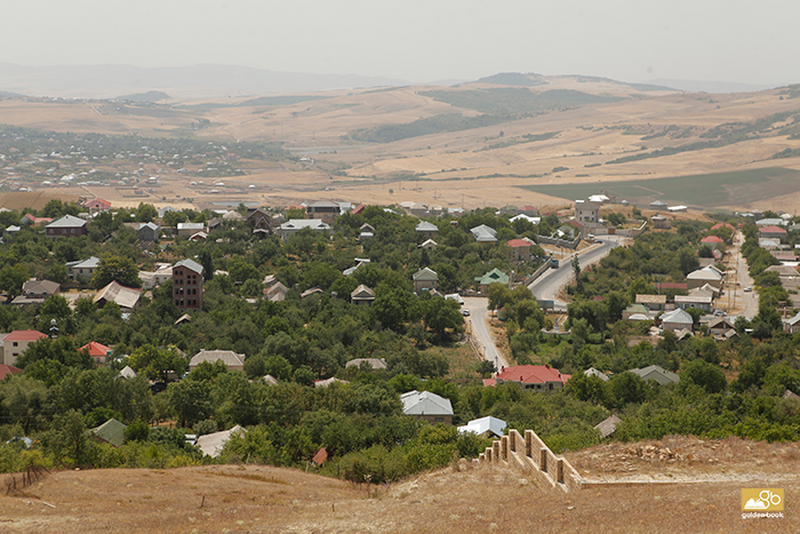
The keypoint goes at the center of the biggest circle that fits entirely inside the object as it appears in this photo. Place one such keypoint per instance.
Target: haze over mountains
(196, 81)
(215, 81)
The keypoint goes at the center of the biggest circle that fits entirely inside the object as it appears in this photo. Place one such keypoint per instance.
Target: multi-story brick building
(187, 285)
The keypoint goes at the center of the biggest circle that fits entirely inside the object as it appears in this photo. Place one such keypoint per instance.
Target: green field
(701, 190)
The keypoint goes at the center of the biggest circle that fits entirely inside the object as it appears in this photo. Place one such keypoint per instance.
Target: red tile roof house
(536, 377)
(772, 232)
(520, 249)
(17, 342)
(713, 241)
(34, 221)
(723, 225)
(97, 351)
(96, 205)
(8, 370)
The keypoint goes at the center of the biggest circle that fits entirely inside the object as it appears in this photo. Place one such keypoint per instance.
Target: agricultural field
(505, 139)
(700, 190)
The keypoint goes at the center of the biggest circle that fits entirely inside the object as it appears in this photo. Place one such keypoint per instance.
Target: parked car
(465, 313)
(748, 289)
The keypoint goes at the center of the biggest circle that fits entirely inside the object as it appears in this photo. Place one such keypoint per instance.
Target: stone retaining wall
(532, 455)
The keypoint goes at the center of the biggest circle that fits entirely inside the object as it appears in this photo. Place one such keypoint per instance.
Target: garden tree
(12, 277)
(146, 213)
(156, 363)
(408, 360)
(240, 271)
(616, 302)
(57, 273)
(393, 306)
(87, 391)
(138, 430)
(576, 267)
(779, 377)
(208, 371)
(767, 314)
(68, 249)
(101, 226)
(580, 329)
(54, 307)
(639, 287)
(595, 313)
(626, 388)
(527, 313)
(687, 260)
(234, 400)
(441, 315)
(172, 218)
(767, 279)
(292, 349)
(589, 388)
(206, 260)
(707, 376)
(617, 219)
(696, 314)
(191, 401)
(69, 440)
(723, 232)
(63, 351)
(320, 275)
(304, 375)
(705, 252)
(56, 208)
(24, 402)
(263, 364)
(252, 288)
(116, 268)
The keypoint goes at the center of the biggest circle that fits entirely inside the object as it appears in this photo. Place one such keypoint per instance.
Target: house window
(438, 419)
(14, 344)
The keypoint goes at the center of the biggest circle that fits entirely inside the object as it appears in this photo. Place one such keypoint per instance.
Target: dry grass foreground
(470, 498)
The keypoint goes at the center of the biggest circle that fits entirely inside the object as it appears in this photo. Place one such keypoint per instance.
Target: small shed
(485, 427)
(212, 444)
(607, 426)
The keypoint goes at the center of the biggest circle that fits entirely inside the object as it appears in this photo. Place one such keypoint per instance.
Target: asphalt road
(547, 286)
(751, 297)
(544, 288)
(478, 318)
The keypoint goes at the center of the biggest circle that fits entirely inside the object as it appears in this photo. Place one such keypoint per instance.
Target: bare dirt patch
(470, 498)
(681, 458)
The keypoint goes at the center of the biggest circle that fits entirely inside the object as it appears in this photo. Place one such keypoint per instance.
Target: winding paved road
(478, 319)
(547, 286)
(743, 272)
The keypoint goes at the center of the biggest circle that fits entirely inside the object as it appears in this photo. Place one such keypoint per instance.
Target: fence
(560, 242)
(532, 455)
(633, 232)
(532, 278)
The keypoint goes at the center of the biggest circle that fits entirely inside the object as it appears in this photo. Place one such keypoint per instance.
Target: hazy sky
(419, 40)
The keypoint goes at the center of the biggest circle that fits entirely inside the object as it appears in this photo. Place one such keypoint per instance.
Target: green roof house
(495, 276)
(112, 431)
(635, 309)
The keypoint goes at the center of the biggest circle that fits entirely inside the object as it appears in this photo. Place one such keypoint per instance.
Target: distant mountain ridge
(694, 86)
(149, 96)
(196, 81)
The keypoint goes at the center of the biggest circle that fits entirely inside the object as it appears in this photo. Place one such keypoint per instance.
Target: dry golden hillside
(467, 498)
(470, 145)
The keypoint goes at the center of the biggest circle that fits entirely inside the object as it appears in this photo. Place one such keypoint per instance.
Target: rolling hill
(505, 139)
